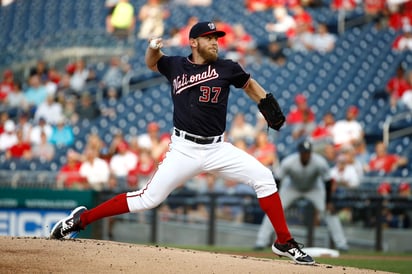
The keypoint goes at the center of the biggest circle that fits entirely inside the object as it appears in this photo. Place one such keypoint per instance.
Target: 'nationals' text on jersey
(201, 91)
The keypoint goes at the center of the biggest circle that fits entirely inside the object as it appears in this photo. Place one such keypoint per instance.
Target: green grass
(390, 262)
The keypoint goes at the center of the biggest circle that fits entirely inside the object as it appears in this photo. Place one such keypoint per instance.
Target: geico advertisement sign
(29, 222)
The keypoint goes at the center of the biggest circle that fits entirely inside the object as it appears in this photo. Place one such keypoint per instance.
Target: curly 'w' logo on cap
(211, 25)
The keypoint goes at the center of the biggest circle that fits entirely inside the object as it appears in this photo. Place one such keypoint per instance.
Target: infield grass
(390, 262)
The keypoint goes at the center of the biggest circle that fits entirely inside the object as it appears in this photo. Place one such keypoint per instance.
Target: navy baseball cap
(305, 146)
(205, 28)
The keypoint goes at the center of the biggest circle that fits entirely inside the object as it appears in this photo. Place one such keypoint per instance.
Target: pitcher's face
(208, 48)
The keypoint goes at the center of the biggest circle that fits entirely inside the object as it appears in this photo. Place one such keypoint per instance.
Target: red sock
(272, 206)
(115, 206)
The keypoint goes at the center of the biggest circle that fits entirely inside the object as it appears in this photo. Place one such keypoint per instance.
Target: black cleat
(292, 250)
(67, 227)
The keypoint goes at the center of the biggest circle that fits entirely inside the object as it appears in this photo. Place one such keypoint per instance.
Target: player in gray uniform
(200, 85)
(305, 174)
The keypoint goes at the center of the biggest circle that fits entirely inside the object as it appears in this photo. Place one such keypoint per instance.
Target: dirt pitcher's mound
(40, 255)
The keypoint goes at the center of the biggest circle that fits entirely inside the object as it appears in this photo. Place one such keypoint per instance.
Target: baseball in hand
(155, 43)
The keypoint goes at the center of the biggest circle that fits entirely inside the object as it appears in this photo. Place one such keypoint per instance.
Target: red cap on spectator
(122, 146)
(353, 109)
(7, 73)
(293, 3)
(70, 68)
(300, 98)
(152, 126)
(384, 188)
(404, 186)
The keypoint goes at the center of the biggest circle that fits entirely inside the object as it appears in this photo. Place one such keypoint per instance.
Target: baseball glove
(270, 109)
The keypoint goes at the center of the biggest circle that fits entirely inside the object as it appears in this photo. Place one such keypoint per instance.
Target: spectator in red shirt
(180, 36)
(384, 189)
(243, 47)
(296, 114)
(348, 5)
(404, 189)
(69, 175)
(54, 75)
(403, 42)
(154, 141)
(263, 150)
(21, 150)
(183, 33)
(397, 85)
(283, 27)
(374, 8)
(384, 161)
(399, 17)
(7, 85)
(304, 129)
(323, 130)
(262, 5)
(302, 18)
(143, 170)
(322, 135)
(227, 40)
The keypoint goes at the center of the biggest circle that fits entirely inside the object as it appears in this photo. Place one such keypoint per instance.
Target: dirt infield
(40, 255)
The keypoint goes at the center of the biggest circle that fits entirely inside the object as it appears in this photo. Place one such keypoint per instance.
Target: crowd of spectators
(342, 143)
(343, 134)
(39, 111)
(292, 26)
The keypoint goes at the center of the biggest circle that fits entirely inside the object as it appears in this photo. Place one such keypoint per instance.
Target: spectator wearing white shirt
(403, 42)
(8, 138)
(302, 40)
(349, 152)
(283, 27)
(25, 125)
(348, 130)
(49, 110)
(80, 76)
(345, 174)
(16, 100)
(322, 41)
(241, 129)
(95, 170)
(122, 163)
(35, 133)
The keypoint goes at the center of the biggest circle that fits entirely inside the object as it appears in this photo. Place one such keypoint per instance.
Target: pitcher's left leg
(235, 164)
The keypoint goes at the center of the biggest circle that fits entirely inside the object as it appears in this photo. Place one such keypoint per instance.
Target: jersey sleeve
(164, 64)
(239, 76)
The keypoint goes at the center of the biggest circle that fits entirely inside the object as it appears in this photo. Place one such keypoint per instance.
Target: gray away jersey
(304, 178)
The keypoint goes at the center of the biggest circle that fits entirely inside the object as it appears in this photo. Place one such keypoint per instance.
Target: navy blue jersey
(200, 92)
